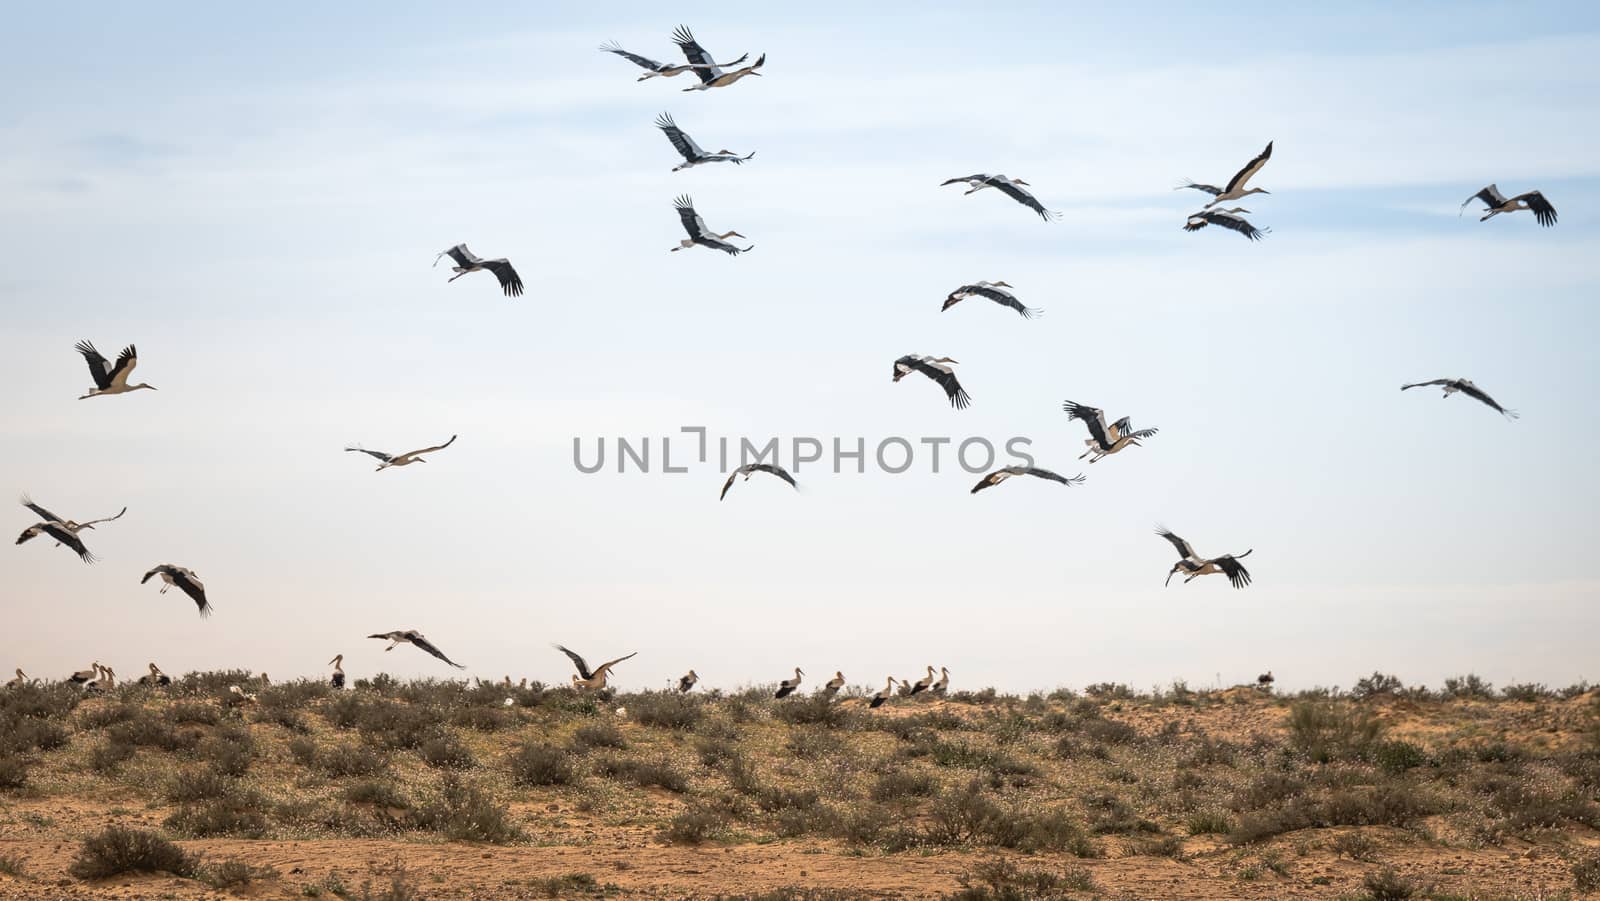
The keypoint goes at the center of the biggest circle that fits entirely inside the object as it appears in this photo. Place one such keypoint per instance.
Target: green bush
(13, 773)
(461, 811)
(540, 764)
(445, 751)
(693, 825)
(601, 734)
(117, 850)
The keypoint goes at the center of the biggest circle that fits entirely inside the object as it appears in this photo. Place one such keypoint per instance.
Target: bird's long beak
(1018, 181)
(1169, 577)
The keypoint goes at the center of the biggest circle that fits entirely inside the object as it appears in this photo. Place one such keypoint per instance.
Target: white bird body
(693, 155)
(1011, 187)
(711, 75)
(943, 685)
(110, 378)
(585, 678)
(20, 680)
(415, 639)
(832, 686)
(656, 69)
(156, 677)
(185, 580)
(938, 369)
(1105, 440)
(84, 675)
(700, 234)
(883, 694)
(1235, 188)
(337, 678)
(466, 261)
(1196, 566)
(924, 683)
(787, 686)
(386, 461)
(1497, 203)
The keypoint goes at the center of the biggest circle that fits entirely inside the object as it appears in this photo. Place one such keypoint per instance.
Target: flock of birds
(112, 378)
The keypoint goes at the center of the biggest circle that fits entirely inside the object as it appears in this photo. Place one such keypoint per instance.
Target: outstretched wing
(947, 380)
(1490, 195)
(719, 244)
(103, 519)
(1055, 477)
(1092, 417)
(39, 511)
(417, 639)
(1022, 196)
(437, 447)
(692, 223)
(1474, 391)
(642, 62)
(464, 258)
(59, 533)
(728, 484)
(192, 587)
(696, 54)
(1426, 384)
(583, 668)
(681, 142)
(606, 667)
(1250, 169)
(1213, 190)
(98, 367)
(510, 281)
(1233, 569)
(1230, 221)
(778, 471)
(371, 453)
(1541, 208)
(1184, 550)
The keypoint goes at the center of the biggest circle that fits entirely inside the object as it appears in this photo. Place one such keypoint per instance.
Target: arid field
(441, 790)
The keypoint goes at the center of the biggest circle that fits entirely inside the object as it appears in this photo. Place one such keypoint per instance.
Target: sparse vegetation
(117, 850)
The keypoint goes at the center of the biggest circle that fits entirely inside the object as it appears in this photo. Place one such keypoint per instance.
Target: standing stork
(1000, 475)
(700, 234)
(924, 683)
(1265, 680)
(337, 678)
(109, 379)
(104, 680)
(687, 681)
(156, 677)
(1197, 566)
(787, 686)
(749, 468)
(405, 459)
(19, 681)
(1235, 188)
(595, 678)
(654, 69)
(1228, 218)
(711, 75)
(1466, 387)
(691, 152)
(1496, 203)
(935, 368)
(415, 639)
(942, 686)
(1011, 187)
(467, 261)
(1103, 441)
(904, 689)
(992, 291)
(832, 686)
(883, 694)
(186, 581)
(84, 675)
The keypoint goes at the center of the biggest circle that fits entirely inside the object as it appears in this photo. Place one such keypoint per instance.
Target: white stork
(105, 680)
(938, 369)
(787, 686)
(924, 683)
(1496, 203)
(749, 468)
(415, 639)
(1103, 441)
(700, 234)
(156, 677)
(1466, 387)
(654, 69)
(942, 686)
(904, 689)
(595, 678)
(711, 75)
(405, 459)
(109, 379)
(1011, 187)
(883, 694)
(691, 152)
(1197, 566)
(84, 675)
(467, 261)
(61, 534)
(1265, 680)
(186, 581)
(69, 525)
(992, 291)
(1235, 188)
(1229, 219)
(337, 678)
(19, 681)
(1000, 475)
(832, 686)
(687, 681)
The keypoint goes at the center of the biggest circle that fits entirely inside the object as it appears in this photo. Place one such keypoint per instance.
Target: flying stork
(1235, 188)
(595, 678)
(699, 234)
(186, 581)
(337, 678)
(883, 694)
(405, 459)
(711, 75)
(1102, 441)
(19, 681)
(938, 369)
(1496, 203)
(654, 69)
(787, 686)
(156, 677)
(749, 468)
(1466, 387)
(417, 640)
(692, 154)
(109, 379)
(924, 683)
(942, 686)
(1228, 218)
(993, 291)
(687, 681)
(832, 686)
(1197, 566)
(61, 534)
(69, 525)
(1011, 187)
(467, 261)
(1000, 475)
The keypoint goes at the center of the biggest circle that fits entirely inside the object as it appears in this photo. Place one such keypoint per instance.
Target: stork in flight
(595, 678)
(337, 678)
(1466, 387)
(700, 234)
(70, 525)
(156, 677)
(1103, 441)
(62, 536)
(405, 459)
(1011, 187)
(938, 369)
(1000, 475)
(687, 681)
(711, 75)
(691, 152)
(109, 379)
(415, 639)
(654, 69)
(1496, 203)
(467, 261)
(186, 581)
(992, 291)
(749, 468)
(832, 686)
(883, 694)
(1235, 188)
(787, 686)
(1196, 566)
(1229, 219)
(942, 686)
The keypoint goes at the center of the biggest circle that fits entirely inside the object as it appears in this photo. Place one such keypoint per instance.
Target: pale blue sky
(255, 199)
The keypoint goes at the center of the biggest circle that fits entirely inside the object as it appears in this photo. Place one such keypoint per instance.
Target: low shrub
(461, 811)
(693, 825)
(13, 773)
(1468, 686)
(540, 764)
(1003, 880)
(239, 813)
(339, 761)
(445, 751)
(1586, 873)
(899, 785)
(665, 709)
(1388, 885)
(117, 850)
(231, 875)
(600, 734)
